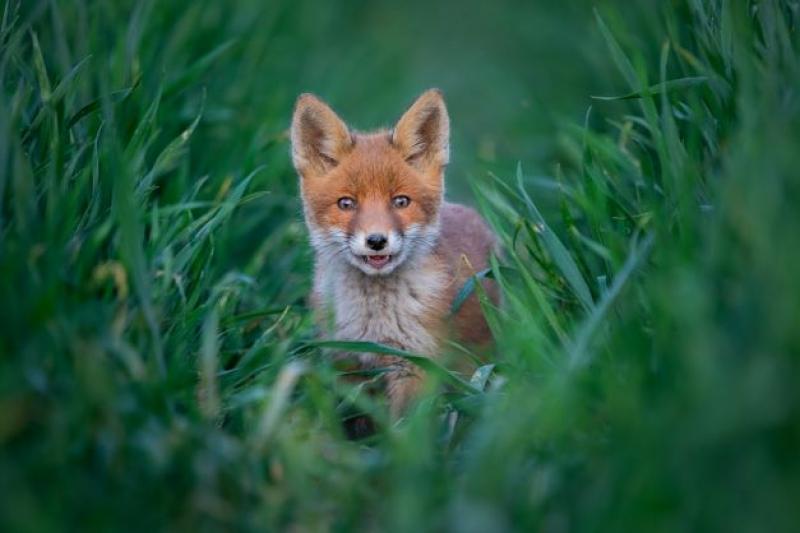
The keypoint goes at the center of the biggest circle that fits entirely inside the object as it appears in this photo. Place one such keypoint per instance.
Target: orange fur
(371, 156)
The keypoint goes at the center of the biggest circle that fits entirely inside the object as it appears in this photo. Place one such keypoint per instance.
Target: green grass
(159, 367)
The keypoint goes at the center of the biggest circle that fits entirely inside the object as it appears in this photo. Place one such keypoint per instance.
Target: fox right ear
(423, 133)
(319, 137)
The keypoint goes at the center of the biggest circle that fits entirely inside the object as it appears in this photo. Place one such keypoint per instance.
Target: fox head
(372, 200)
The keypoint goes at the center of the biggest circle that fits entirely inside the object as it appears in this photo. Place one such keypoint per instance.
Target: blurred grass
(158, 367)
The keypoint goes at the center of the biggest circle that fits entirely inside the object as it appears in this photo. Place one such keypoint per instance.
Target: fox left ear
(319, 137)
(423, 133)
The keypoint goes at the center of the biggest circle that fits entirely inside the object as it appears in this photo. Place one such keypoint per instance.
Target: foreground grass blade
(468, 288)
(426, 363)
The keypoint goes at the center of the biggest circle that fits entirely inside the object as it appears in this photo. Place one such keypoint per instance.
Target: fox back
(391, 255)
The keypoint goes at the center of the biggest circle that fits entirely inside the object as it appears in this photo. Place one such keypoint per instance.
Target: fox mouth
(376, 261)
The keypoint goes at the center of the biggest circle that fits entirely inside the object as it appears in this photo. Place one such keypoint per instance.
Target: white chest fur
(397, 309)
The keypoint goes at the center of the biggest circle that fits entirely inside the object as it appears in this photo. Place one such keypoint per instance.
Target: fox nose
(376, 241)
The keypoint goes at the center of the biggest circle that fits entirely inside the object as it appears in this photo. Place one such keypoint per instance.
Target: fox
(390, 254)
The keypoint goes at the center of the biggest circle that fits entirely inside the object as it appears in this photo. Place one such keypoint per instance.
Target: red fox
(390, 254)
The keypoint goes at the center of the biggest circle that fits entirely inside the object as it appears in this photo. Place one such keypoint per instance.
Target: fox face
(371, 201)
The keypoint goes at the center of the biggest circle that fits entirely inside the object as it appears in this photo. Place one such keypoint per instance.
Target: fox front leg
(404, 383)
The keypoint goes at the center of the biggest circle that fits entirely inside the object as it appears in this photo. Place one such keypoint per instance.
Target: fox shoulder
(466, 242)
(465, 233)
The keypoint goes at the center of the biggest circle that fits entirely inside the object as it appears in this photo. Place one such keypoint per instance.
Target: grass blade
(426, 363)
(665, 87)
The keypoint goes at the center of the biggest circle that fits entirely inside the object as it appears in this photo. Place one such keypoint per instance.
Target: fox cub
(391, 255)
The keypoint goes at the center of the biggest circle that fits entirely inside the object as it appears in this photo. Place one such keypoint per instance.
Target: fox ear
(319, 137)
(423, 133)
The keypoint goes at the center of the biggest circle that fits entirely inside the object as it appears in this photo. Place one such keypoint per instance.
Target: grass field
(158, 365)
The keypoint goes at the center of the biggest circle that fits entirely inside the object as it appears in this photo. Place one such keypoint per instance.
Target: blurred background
(510, 71)
(158, 362)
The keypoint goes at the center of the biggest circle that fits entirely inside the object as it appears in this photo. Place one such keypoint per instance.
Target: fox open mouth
(376, 261)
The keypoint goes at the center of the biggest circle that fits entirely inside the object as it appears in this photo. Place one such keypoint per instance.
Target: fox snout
(376, 237)
(377, 251)
(365, 242)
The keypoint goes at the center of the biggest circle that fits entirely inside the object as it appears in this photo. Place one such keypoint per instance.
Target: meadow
(159, 365)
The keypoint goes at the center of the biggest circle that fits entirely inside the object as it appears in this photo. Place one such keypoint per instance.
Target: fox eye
(345, 203)
(401, 201)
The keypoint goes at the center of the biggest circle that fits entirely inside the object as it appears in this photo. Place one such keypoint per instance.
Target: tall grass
(158, 364)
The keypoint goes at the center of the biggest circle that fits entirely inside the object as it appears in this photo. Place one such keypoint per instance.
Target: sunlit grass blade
(557, 250)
